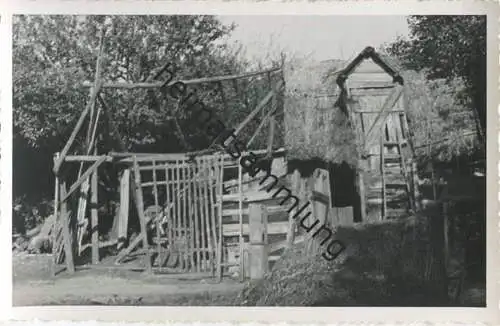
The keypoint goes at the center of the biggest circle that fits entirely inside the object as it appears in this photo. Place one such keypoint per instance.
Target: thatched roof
(315, 127)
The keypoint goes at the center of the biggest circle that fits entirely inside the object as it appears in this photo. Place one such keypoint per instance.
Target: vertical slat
(55, 227)
(177, 192)
(211, 188)
(240, 216)
(192, 216)
(157, 217)
(206, 168)
(183, 233)
(203, 216)
(140, 212)
(168, 207)
(196, 218)
(68, 250)
(94, 219)
(382, 172)
(220, 244)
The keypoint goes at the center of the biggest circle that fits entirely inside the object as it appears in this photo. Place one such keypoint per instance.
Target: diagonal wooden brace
(84, 177)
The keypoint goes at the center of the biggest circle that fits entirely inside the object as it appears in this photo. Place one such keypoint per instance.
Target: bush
(388, 263)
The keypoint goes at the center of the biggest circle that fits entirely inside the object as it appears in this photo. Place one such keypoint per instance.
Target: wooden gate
(182, 216)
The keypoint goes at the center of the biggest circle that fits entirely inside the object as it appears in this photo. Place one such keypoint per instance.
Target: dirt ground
(34, 285)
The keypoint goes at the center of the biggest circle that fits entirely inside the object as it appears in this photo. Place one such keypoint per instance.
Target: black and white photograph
(249, 160)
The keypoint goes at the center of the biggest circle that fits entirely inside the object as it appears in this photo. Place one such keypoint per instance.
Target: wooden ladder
(401, 160)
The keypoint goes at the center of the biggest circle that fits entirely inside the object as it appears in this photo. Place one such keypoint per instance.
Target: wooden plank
(68, 249)
(319, 196)
(157, 217)
(142, 218)
(270, 210)
(168, 202)
(252, 196)
(124, 205)
(183, 217)
(383, 114)
(258, 242)
(197, 215)
(83, 178)
(233, 230)
(151, 85)
(177, 206)
(94, 219)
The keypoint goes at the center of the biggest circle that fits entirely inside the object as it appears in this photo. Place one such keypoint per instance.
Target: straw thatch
(443, 125)
(315, 128)
(386, 263)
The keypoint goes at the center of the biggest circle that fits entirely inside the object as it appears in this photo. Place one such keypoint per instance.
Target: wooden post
(290, 236)
(68, 250)
(55, 227)
(140, 212)
(124, 207)
(240, 218)
(94, 220)
(361, 188)
(157, 217)
(382, 173)
(211, 189)
(220, 181)
(197, 213)
(258, 256)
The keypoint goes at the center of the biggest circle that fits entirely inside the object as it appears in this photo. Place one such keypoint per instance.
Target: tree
(449, 47)
(53, 55)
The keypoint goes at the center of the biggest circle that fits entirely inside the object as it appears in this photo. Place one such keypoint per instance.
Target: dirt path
(33, 285)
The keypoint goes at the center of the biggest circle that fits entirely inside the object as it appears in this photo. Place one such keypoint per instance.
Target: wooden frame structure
(200, 225)
(382, 132)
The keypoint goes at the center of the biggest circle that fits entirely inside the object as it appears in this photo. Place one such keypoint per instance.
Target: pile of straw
(315, 128)
(386, 263)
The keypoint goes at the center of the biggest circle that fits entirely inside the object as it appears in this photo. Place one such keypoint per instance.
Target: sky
(315, 37)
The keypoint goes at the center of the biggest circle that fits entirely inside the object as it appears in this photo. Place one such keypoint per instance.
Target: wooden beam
(75, 131)
(126, 158)
(259, 107)
(96, 87)
(186, 82)
(84, 177)
(94, 219)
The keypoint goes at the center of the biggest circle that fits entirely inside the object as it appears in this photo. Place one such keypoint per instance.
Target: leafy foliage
(53, 55)
(441, 123)
(449, 47)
